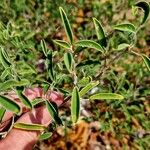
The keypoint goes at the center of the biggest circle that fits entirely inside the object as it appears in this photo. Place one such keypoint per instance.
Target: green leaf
(100, 96)
(5, 73)
(68, 60)
(89, 44)
(49, 65)
(13, 83)
(4, 58)
(62, 44)
(123, 46)
(23, 98)
(9, 105)
(24, 69)
(146, 61)
(45, 136)
(53, 112)
(37, 101)
(145, 7)
(46, 87)
(30, 127)
(66, 24)
(100, 32)
(44, 47)
(2, 113)
(75, 105)
(84, 81)
(88, 87)
(128, 27)
(22, 82)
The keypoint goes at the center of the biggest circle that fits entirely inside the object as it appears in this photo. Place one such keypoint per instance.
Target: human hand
(19, 139)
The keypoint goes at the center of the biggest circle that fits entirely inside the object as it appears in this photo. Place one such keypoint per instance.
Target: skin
(19, 139)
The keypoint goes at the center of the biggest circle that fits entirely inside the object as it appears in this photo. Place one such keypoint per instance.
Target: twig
(105, 67)
(65, 100)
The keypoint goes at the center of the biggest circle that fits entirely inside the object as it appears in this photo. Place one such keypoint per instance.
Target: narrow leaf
(123, 46)
(46, 87)
(13, 83)
(4, 58)
(84, 81)
(9, 105)
(88, 87)
(100, 96)
(37, 101)
(22, 82)
(53, 112)
(44, 47)
(146, 61)
(45, 136)
(89, 44)
(66, 24)
(30, 127)
(49, 65)
(5, 73)
(23, 98)
(125, 27)
(146, 8)
(75, 105)
(62, 44)
(100, 32)
(68, 60)
(2, 112)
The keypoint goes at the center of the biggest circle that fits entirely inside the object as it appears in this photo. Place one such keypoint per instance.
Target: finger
(31, 94)
(24, 140)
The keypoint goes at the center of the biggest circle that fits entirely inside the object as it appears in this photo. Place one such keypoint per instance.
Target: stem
(105, 67)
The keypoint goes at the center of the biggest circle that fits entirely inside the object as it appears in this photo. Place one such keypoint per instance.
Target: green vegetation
(86, 50)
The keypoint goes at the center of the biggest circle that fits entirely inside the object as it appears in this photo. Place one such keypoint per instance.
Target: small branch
(105, 67)
(65, 100)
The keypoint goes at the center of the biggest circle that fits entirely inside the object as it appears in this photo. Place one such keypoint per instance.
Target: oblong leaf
(100, 32)
(53, 112)
(63, 44)
(146, 8)
(7, 85)
(45, 87)
(75, 105)
(84, 81)
(37, 101)
(2, 112)
(30, 127)
(146, 61)
(89, 44)
(13, 83)
(125, 27)
(68, 60)
(88, 87)
(23, 98)
(4, 58)
(9, 105)
(49, 65)
(45, 136)
(66, 24)
(5, 73)
(122, 46)
(100, 96)
(44, 47)
(22, 82)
